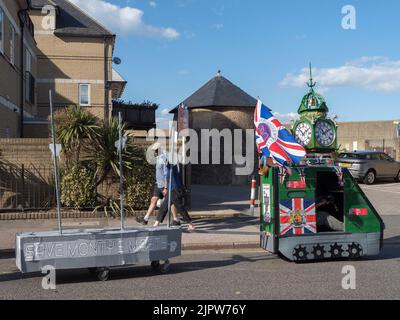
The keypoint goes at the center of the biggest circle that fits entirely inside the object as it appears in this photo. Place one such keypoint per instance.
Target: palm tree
(103, 152)
(75, 126)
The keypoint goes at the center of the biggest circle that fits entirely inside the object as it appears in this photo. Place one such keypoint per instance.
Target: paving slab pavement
(190, 240)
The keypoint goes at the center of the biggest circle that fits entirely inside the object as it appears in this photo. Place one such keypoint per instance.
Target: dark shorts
(158, 192)
(177, 198)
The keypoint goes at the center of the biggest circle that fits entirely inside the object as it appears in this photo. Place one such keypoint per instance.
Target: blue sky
(170, 48)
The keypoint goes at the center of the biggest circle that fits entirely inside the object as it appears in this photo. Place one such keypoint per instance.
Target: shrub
(140, 185)
(78, 187)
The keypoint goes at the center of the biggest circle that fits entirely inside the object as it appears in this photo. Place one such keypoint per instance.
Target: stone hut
(219, 104)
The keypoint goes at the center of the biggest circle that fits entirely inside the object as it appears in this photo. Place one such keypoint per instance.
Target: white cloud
(372, 73)
(153, 4)
(123, 20)
(165, 112)
(163, 122)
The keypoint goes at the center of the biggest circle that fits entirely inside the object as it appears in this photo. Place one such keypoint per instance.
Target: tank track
(327, 251)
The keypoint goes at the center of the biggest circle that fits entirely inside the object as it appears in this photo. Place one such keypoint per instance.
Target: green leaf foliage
(78, 187)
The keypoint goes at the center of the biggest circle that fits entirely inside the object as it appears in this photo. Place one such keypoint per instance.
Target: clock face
(325, 133)
(303, 133)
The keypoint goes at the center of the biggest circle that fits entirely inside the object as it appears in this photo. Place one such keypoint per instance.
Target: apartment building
(18, 67)
(74, 60)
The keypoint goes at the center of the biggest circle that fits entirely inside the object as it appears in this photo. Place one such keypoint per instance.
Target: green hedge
(78, 187)
(140, 185)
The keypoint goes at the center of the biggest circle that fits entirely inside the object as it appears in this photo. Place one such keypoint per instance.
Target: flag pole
(121, 168)
(171, 160)
(55, 159)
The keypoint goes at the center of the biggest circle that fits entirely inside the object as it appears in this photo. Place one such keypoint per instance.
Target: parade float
(312, 209)
(97, 250)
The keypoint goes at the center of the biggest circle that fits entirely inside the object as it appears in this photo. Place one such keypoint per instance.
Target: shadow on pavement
(209, 198)
(226, 223)
(83, 275)
(18, 276)
(7, 255)
(76, 276)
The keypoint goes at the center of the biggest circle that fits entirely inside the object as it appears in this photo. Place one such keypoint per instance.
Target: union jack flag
(273, 140)
(297, 216)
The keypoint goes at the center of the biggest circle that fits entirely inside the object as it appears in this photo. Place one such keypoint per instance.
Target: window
(1, 31)
(355, 156)
(385, 157)
(29, 79)
(84, 94)
(12, 44)
(28, 61)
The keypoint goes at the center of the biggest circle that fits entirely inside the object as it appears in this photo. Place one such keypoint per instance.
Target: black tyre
(103, 274)
(93, 271)
(370, 177)
(397, 179)
(155, 265)
(165, 267)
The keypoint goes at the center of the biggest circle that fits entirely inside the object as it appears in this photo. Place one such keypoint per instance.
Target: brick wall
(25, 151)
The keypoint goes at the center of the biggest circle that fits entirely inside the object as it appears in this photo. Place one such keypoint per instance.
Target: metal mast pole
(171, 157)
(121, 183)
(56, 176)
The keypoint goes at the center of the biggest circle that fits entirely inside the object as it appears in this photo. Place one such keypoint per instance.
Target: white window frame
(28, 60)
(2, 27)
(28, 68)
(80, 97)
(12, 44)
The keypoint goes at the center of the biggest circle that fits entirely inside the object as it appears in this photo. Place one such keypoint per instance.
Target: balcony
(136, 116)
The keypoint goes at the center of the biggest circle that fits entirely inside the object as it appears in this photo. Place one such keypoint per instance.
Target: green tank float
(316, 210)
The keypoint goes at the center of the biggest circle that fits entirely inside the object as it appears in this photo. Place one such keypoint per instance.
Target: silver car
(367, 166)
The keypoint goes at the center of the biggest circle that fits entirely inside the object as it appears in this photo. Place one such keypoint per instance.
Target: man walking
(160, 188)
(177, 199)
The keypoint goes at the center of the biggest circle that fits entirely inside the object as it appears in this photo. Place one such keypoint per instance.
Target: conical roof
(219, 92)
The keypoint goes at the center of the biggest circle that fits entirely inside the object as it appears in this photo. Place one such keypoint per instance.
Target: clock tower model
(314, 130)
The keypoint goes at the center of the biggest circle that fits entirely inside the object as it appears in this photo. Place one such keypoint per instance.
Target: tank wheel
(336, 251)
(318, 252)
(355, 251)
(103, 274)
(370, 177)
(300, 253)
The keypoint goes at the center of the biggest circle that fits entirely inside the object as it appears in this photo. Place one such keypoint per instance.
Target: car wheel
(103, 274)
(397, 179)
(370, 177)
